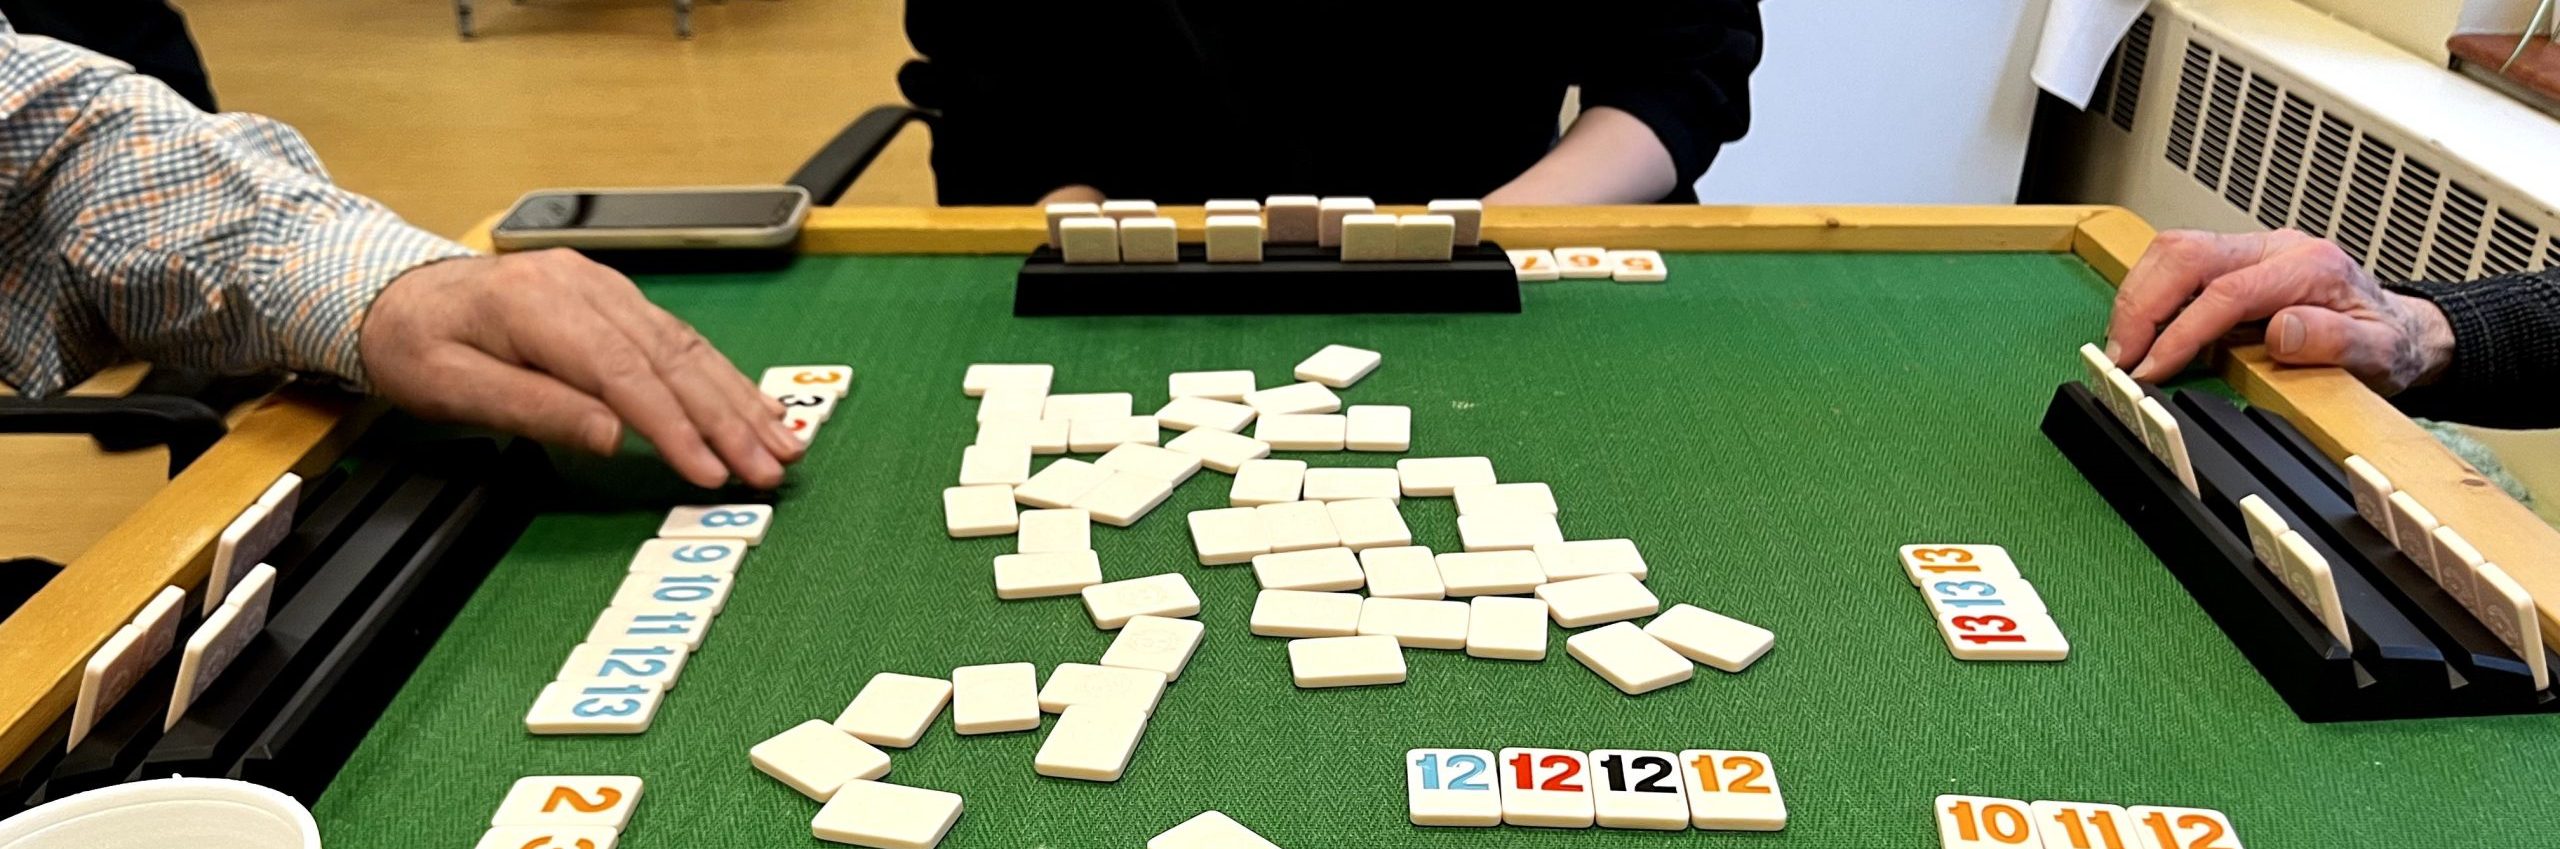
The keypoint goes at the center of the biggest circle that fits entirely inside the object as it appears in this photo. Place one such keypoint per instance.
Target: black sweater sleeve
(2506, 352)
(1683, 67)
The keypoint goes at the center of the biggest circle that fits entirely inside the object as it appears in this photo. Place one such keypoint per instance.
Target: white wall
(2417, 26)
(1886, 101)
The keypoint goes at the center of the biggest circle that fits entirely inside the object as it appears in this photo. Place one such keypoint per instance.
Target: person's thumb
(2315, 336)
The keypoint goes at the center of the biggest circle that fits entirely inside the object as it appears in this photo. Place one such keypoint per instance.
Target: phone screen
(743, 209)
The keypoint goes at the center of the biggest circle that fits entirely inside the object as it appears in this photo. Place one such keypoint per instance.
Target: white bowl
(193, 813)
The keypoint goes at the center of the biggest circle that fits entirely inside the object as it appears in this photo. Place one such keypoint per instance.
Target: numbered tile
(1007, 463)
(1417, 623)
(2183, 828)
(1169, 595)
(1366, 523)
(1421, 477)
(1597, 600)
(1090, 743)
(1045, 436)
(1316, 570)
(1504, 628)
(1347, 484)
(593, 706)
(1155, 643)
(815, 758)
(1505, 498)
(1301, 431)
(1260, 482)
(689, 555)
(1089, 405)
(1377, 427)
(1982, 595)
(1323, 662)
(1475, 573)
(1733, 791)
(1073, 684)
(1405, 571)
(2084, 825)
(1296, 399)
(1225, 452)
(2122, 396)
(802, 426)
(1299, 526)
(894, 710)
(210, 650)
(704, 592)
(157, 623)
(1941, 560)
(1298, 613)
(1711, 638)
(827, 379)
(1228, 536)
(1565, 561)
(886, 816)
(252, 595)
(1636, 266)
(2003, 636)
(1533, 266)
(633, 663)
(1210, 830)
(1055, 487)
(2168, 440)
(1451, 787)
(982, 377)
(1231, 385)
(994, 698)
(650, 625)
(1628, 658)
(548, 837)
(1549, 788)
(815, 406)
(2373, 494)
(2264, 526)
(1984, 822)
(1638, 789)
(1583, 263)
(1053, 531)
(1188, 414)
(718, 521)
(1125, 497)
(569, 801)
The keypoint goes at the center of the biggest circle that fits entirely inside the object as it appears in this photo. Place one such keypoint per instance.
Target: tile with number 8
(718, 521)
(1451, 787)
(1638, 789)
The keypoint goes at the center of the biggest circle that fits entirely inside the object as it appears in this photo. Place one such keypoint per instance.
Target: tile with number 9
(689, 555)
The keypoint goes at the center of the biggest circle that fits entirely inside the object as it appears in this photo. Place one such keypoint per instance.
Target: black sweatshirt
(2506, 352)
(1402, 101)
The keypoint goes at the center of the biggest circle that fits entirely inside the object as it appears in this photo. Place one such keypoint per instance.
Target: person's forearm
(206, 240)
(1608, 157)
(2505, 341)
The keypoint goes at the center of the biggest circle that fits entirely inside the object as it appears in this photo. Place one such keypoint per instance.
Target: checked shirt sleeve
(136, 226)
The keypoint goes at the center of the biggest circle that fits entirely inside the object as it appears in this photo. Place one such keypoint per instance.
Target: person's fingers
(2175, 268)
(2314, 336)
(2250, 294)
(722, 406)
(571, 341)
(474, 388)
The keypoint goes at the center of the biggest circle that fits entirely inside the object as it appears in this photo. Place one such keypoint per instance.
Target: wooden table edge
(168, 541)
(2345, 418)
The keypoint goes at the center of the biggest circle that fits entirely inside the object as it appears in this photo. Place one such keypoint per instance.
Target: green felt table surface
(1767, 427)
